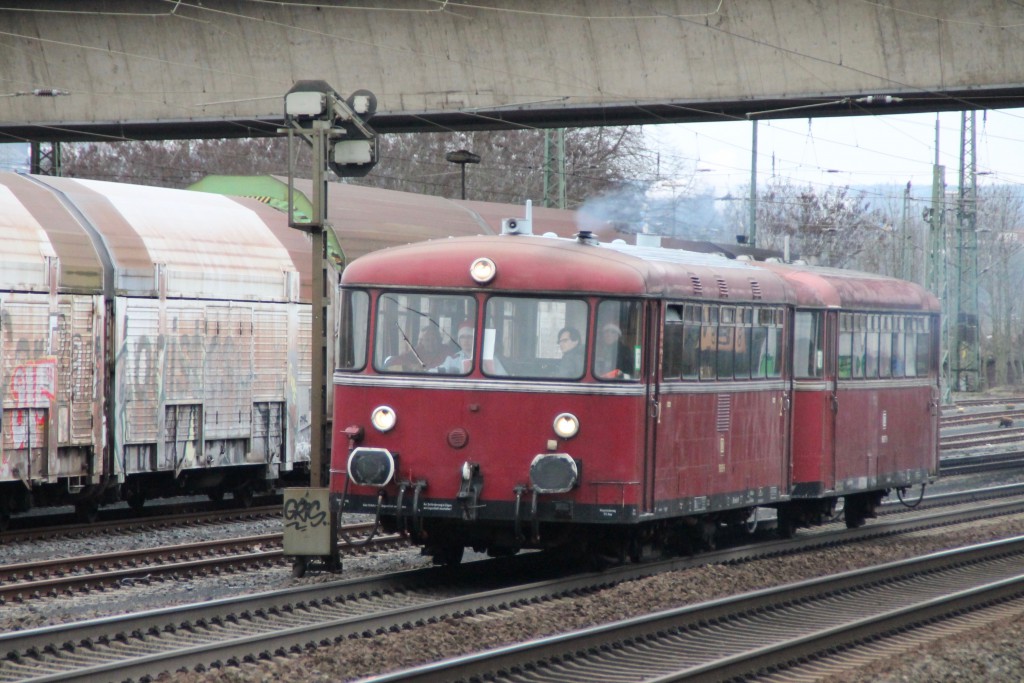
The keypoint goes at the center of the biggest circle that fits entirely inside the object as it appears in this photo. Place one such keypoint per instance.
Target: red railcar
(517, 391)
(865, 390)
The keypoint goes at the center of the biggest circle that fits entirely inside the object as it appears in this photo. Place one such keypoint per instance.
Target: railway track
(251, 628)
(37, 579)
(762, 633)
(123, 521)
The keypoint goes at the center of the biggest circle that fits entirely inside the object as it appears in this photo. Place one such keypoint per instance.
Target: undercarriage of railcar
(444, 539)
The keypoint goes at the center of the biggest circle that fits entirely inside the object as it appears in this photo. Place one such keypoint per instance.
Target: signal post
(340, 139)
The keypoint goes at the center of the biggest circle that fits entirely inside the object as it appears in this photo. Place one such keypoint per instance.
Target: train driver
(428, 353)
(461, 361)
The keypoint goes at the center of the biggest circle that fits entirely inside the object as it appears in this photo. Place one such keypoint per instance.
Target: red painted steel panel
(880, 432)
(703, 451)
(813, 458)
(506, 430)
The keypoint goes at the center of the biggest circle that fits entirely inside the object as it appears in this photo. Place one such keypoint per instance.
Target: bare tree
(833, 227)
(999, 221)
(512, 167)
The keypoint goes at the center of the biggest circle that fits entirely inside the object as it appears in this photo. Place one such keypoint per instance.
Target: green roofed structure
(273, 192)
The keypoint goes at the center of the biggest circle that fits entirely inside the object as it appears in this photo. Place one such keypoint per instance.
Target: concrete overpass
(154, 69)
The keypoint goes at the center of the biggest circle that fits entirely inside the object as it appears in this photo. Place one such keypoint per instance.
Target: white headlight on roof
(566, 425)
(482, 270)
(383, 418)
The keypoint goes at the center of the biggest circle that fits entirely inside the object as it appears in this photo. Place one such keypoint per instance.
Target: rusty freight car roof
(366, 219)
(532, 263)
(148, 239)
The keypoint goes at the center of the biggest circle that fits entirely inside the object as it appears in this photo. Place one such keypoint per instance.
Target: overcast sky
(854, 150)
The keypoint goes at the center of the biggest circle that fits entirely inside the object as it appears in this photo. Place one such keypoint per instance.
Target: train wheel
(785, 524)
(87, 511)
(449, 555)
(5, 520)
(217, 495)
(708, 530)
(299, 567)
(855, 511)
(243, 496)
(136, 501)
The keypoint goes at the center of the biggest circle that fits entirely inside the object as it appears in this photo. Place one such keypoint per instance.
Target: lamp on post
(341, 141)
(463, 157)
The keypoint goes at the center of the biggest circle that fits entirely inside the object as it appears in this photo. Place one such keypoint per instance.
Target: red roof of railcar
(853, 290)
(531, 263)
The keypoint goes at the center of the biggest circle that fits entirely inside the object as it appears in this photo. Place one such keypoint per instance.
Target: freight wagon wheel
(136, 501)
(243, 496)
(87, 511)
(449, 555)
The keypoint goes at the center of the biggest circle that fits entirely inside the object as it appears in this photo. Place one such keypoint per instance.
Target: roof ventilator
(755, 289)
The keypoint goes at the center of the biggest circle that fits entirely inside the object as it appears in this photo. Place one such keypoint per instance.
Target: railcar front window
(530, 337)
(353, 325)
(424, 333)
(617, 341)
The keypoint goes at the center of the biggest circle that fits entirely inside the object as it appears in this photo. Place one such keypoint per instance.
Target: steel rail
(19, 581)
(740, 636)
(150, 642)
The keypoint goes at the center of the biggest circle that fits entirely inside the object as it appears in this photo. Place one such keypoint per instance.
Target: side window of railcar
(871, 347)
(726, 341)
(672, 339)
(766, 342)
(742, 366)
(809, 354)
(845, 353)
(353, 325)
(885, 346)
(899, 346)
(712, 342)
(708, 342)
(860, 323)
(539, 338)
(617, 341)
(417, 333)
(882, 345)
(923, 348)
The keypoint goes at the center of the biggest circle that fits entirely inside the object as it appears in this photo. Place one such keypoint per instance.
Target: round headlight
(566, 425)
(383, 418)
(482, 270)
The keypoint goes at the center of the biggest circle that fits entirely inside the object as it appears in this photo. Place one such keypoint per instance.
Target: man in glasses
(571, 364)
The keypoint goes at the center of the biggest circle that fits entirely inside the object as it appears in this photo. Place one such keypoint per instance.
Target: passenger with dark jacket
(571, 364)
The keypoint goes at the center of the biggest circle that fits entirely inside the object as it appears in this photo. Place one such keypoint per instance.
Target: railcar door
(651, 365)
(832, 378)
